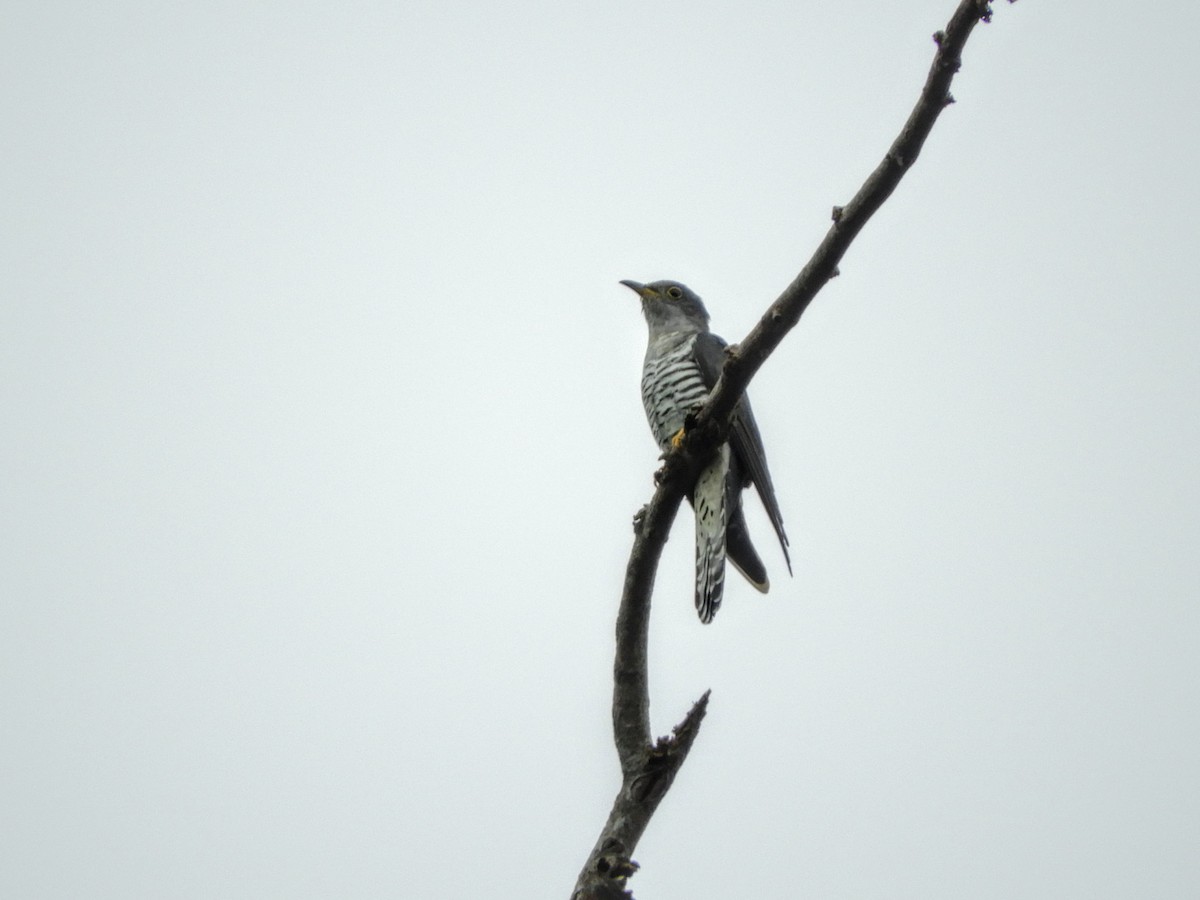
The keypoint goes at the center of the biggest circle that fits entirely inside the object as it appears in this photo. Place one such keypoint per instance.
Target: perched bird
(683, 362)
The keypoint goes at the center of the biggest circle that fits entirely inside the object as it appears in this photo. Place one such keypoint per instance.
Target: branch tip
(683, 734)
(696, 714)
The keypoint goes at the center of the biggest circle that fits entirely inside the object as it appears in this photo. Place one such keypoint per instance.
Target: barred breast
(671, 384)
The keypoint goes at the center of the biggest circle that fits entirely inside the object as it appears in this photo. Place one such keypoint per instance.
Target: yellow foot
(677, 438)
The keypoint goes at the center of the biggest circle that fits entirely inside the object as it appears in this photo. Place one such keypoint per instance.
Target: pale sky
(321, 434)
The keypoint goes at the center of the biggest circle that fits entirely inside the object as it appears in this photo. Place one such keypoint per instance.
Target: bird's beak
(638, 288)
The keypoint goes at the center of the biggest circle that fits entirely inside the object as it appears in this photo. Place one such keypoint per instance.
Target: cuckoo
(683, 362)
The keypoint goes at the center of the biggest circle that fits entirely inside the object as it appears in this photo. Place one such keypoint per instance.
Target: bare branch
(782, 316)
(631, 691)
(648, 771)
(609, 864)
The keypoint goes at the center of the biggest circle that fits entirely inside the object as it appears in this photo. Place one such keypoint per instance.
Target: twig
(782, 316)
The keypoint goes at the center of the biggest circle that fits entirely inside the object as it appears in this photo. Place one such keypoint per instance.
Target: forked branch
(648, 769)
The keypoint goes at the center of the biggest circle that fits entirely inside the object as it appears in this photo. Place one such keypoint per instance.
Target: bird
(683, 362)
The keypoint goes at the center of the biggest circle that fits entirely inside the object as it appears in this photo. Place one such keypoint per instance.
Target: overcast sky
(321, 438)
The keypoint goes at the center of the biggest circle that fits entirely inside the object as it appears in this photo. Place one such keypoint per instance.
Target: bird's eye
(674, 293)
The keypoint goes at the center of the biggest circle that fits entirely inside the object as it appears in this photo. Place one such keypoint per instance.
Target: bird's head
(670, 306)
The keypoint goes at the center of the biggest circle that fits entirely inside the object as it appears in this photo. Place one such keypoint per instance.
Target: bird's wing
(744, 437)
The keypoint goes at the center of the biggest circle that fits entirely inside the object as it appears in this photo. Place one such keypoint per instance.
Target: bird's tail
(740, 550)
(709, 500)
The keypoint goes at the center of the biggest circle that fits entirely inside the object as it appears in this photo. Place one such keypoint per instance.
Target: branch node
(835, 273)
(950, 63)
(617, 867)
(836, 215)
(938, 37)
(652, 783)
(949, 99)
(614, 867)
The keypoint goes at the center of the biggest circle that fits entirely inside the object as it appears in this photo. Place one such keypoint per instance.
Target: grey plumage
(683, 362)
